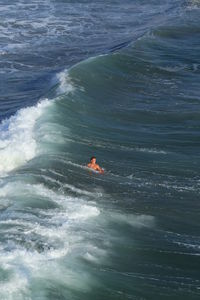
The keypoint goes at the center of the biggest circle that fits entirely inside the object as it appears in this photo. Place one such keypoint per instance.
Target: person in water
(93, 165)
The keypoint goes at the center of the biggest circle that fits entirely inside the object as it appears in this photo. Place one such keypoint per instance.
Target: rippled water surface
(118, 80)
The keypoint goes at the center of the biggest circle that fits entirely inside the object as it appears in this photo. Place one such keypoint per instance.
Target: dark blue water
(119, 81)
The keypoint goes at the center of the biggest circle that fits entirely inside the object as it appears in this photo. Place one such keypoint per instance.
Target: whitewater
(119, 81)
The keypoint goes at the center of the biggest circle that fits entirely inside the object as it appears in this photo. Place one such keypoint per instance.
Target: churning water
(118, 80)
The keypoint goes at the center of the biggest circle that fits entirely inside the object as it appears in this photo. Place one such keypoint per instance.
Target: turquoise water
(121, 82)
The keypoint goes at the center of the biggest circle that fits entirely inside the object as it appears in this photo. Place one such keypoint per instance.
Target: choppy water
(119, 80)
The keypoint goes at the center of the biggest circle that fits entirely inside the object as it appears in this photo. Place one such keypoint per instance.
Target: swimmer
(94, 166)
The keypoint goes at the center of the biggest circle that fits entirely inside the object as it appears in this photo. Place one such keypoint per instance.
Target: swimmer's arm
(100, 169)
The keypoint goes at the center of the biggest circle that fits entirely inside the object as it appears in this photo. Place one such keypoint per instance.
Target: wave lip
(65, 84)
(17, 141)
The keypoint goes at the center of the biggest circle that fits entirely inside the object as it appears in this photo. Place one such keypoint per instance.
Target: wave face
(67, 232)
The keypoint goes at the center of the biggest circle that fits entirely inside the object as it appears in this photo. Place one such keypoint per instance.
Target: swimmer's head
(93, 159)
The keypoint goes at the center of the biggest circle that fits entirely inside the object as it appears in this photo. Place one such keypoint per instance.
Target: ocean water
(118, 80)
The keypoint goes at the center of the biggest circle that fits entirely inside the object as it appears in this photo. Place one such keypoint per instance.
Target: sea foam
(17, 140)
(17, 136)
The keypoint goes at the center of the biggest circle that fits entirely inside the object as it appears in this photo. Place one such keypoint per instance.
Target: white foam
(193, 4)
(94, 254)
(88, 256)
(17, 141)
(65, 83)
(27, 264)
(151, 150)
(75, 208)
(137, 221)
(14, 289)
(59, 231)
(17, 137)
(78, 191)
(85, 212)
